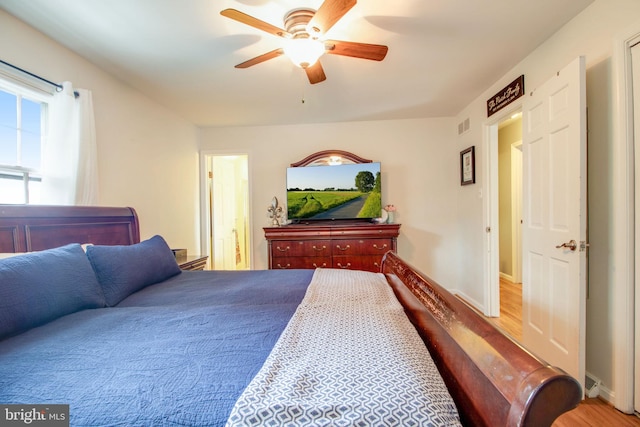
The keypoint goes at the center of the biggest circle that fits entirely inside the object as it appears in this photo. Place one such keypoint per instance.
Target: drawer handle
(283, 250)
(315, 248)
(284, 267)
(343, 249)
(380, 247)
(344, 266)
(324, 264)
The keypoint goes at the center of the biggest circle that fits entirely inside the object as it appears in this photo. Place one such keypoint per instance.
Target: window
(22, 130)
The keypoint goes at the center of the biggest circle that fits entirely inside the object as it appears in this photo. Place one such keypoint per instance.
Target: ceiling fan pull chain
(303, 86)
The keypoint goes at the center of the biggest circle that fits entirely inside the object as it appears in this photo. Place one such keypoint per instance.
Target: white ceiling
(181, 53)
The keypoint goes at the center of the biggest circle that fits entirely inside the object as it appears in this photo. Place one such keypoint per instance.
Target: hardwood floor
(591, 412)
(510, 319)
(596, 413)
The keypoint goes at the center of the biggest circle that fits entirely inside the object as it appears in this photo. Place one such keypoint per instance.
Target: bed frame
(493, 380)
(34, 228)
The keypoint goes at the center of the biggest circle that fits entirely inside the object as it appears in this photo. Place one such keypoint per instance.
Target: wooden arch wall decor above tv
(326, 157)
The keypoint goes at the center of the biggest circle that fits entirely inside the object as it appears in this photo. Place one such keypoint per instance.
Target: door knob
(572, 245)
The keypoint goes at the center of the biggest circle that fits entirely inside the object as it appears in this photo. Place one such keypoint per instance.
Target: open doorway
(554, 264)
(227, 218)
(510, 223)
(510, 197)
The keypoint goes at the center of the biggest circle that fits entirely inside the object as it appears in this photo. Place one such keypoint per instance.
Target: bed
(146, 344)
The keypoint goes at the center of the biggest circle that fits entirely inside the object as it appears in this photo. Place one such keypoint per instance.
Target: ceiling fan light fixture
(303, 37)
(304, 52)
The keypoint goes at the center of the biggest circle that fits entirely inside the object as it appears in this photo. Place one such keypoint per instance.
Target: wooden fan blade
(315, 73)
(375, 52)
(328, 14)
(255, 22)
(258, 59)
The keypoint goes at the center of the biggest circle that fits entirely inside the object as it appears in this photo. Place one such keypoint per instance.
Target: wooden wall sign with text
(506, 96)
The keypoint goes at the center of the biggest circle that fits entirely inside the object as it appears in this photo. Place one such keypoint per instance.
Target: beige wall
(506, 136)
(420, 175)
(590, 34)
(147, 155)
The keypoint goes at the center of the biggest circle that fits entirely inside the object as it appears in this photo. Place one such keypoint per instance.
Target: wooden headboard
(493, 380)
(26, 228)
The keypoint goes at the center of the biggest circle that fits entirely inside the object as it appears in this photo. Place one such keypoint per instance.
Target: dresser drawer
(293, 248)
(361, 246)
(358, 262)
(304, 262)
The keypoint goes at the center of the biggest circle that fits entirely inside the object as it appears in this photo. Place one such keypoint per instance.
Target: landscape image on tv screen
(334, 192)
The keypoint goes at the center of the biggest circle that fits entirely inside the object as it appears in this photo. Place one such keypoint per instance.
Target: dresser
(351, 245)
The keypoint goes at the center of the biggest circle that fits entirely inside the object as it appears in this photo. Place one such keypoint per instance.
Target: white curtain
(69, 159)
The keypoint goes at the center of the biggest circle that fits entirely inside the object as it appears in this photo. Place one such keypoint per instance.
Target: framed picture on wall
(468, 166)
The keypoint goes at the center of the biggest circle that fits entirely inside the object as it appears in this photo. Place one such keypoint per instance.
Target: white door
(554, 204)
(229, 212)
(635, 67)
(224, 213)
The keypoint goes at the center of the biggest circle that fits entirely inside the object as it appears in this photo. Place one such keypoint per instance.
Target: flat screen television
(331, 192)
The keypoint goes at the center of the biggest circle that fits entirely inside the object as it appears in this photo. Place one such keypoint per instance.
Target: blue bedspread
(175, 353)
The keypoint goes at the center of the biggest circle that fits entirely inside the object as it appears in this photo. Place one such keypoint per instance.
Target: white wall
(420, 174)
(147, 155)
(590, 34)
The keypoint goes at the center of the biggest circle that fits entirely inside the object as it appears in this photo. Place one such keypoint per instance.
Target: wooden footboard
(493, 380)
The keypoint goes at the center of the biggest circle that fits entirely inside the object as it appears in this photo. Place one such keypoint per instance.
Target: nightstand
(192, 262)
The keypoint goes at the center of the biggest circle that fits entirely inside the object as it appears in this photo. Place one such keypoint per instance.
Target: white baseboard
(506, 276)
(468, 300)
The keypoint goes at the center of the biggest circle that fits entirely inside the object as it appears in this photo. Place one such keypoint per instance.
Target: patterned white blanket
(348, 357)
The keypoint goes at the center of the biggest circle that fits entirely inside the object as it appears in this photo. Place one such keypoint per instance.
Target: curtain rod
(56, 85)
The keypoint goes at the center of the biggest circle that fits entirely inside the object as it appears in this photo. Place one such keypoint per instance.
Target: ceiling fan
(304, 41)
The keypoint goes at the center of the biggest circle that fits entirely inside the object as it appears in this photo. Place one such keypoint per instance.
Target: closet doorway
(227, 215)
(626, 217)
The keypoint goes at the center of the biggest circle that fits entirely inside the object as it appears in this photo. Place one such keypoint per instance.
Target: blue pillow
(38, 287)
(123, 270)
